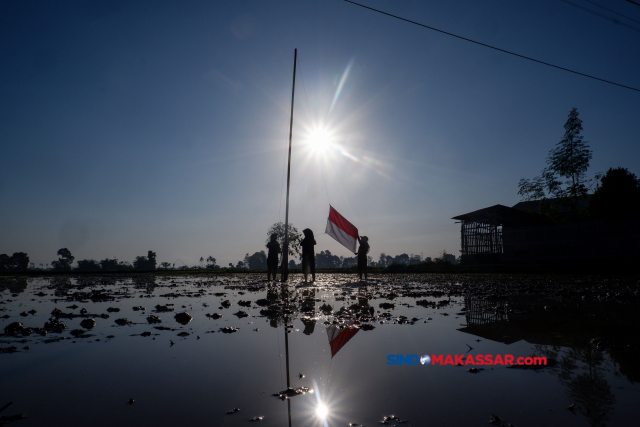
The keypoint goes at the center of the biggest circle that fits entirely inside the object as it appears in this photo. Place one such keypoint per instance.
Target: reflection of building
(518, 234)
(556, 323)
(565, 333)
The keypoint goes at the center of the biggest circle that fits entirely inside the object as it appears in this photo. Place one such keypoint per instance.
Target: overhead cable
(493, 47)
(608, 18)
(612, 11)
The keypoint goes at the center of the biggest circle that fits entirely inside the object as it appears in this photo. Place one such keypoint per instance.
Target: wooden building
(500, 234)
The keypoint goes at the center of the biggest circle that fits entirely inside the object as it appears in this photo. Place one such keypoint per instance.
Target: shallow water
(89, 380)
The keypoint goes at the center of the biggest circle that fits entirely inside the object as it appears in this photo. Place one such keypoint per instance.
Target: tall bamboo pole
(285, 253)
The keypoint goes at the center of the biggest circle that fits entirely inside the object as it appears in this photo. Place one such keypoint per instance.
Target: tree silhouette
(568, 161)
(325, 259)
(295, 237)
(19, 261)
(88, 265)
(257, 261)
(145, 263)
(211, 263)
(64, 261)
(151, 260)
(617, 197)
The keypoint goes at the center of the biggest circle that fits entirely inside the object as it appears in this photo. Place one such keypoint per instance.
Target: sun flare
(319, 140)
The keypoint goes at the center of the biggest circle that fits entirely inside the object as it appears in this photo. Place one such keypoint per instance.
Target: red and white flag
(342, 230)
(338, 336)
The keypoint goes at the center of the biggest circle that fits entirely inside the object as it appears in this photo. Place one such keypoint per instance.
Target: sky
(129, 126)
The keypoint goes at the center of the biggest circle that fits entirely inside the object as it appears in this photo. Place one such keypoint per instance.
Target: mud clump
(14, 329)
(291, 392)
(54, 325)
(88, 323)
(153, 319)
(122, 322)
(183, 318)
(326, 308)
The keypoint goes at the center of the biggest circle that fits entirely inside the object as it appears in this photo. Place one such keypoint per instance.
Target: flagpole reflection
(285, 297)
(286, 303)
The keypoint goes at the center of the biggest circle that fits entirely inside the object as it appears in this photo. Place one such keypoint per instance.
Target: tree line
(325, 259)
(19, 261)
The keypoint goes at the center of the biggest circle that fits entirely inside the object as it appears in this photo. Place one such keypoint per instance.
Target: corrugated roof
(561, 204)
(496, 215)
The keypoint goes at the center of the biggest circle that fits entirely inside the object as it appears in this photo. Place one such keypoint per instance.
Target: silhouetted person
(363, 250)
(272, 258)
(308, 254)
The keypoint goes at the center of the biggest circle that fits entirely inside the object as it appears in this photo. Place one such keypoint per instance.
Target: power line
(631, 1)
(493, 47)
(612, 11)
(614, 20)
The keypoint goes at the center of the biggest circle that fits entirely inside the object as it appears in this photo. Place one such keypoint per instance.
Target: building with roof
(520, 234)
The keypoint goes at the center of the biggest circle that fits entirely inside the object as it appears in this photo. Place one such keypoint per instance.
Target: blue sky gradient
(129, 126)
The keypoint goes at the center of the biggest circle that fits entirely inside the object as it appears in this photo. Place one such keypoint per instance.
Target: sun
(319, 140)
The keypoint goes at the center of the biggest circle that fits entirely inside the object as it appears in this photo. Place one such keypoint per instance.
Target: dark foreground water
(193, 374)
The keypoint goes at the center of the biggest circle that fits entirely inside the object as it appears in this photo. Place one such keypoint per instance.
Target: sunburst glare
(319, 140)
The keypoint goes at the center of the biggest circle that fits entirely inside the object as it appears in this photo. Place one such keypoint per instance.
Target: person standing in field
(363, 250)
(308, 254)
(272, 258)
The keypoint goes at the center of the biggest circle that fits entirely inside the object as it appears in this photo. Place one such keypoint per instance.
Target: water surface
(194, 373)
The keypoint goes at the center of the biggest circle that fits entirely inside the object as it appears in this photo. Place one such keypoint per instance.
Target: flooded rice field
(409, 350)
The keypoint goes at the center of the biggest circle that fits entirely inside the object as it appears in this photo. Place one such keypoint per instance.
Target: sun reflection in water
(322, 411)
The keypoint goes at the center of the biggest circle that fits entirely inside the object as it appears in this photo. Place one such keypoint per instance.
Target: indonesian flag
(338, 337)
(342, 230)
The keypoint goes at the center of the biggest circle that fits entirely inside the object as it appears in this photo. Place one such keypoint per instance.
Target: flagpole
(285, 253)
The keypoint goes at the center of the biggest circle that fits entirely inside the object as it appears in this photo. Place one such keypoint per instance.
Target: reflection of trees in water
(582, 374)
(148, 283)
(560, 330)
(589, 390)
(15, 285)
(60, 285)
